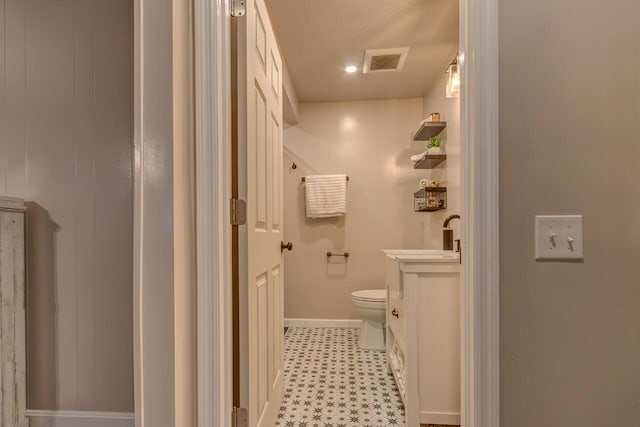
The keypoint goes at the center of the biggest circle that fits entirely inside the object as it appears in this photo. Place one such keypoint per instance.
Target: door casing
(480, 212)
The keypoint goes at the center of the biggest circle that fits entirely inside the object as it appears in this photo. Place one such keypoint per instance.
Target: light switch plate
(558, 237)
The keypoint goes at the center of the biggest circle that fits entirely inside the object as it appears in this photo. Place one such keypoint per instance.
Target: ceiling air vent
(379, 60)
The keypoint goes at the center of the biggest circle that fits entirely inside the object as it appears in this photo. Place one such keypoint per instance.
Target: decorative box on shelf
(430, 199)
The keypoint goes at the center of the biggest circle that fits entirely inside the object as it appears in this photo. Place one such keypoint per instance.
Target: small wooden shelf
(430, 161)
(428, 130)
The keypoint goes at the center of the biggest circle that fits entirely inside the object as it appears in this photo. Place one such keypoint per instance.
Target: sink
(420, 255)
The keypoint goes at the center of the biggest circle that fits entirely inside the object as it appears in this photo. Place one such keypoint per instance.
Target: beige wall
(65, 146)
(447, 173)
(371, 141)
(570, 143)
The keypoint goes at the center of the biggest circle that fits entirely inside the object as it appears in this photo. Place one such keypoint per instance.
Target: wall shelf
(430, 161)
(428, 130)
(430, 199)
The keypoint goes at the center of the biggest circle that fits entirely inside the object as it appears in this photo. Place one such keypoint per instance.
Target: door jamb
(480, 276)
(213, 222)
(480, 302)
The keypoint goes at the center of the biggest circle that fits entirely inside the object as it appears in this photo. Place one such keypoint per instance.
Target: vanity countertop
(422, 255)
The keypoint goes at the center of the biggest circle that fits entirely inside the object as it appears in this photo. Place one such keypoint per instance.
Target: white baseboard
(440, 418)
(323, 323)
(38, 418)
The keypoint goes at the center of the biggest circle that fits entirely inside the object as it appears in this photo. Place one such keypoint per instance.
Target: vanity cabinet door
(397, 316)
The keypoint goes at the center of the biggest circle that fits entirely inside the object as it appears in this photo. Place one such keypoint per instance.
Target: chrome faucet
(447, 234)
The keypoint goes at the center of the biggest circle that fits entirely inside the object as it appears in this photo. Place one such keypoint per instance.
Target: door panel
(275, 363)
(262, 338)
(276, 161)
(259, 103)
(260, 151)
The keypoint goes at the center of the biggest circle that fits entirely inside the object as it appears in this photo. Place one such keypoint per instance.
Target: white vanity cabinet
(423, 333)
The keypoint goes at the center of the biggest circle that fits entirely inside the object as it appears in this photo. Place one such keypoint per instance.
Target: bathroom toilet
(371, 306)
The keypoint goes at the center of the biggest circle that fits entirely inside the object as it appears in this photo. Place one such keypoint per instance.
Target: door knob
(395, 313)
(288, 246)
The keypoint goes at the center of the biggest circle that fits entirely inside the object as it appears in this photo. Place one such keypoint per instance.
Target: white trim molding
(480, 184)
(213, 190)
(323, 323)
(153, 215)
(439, 418)
(40, 418)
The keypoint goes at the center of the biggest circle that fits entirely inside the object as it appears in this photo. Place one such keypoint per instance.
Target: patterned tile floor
(331, 382)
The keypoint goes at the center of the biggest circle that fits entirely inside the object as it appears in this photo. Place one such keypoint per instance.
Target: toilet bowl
(370, 305)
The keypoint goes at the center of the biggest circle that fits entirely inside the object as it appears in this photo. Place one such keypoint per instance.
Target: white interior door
(259, 108)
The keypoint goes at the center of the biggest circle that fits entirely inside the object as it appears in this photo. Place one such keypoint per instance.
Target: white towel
(326, 195)
(418, 157)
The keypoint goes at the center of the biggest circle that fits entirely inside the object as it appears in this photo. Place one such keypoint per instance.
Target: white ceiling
(319, 38)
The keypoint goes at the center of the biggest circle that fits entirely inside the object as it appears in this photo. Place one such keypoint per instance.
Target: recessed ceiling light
(351, 69)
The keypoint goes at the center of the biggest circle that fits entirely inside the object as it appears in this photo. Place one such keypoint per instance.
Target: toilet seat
(370, 295)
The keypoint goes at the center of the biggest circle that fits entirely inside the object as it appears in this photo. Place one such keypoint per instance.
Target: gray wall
(570, 143)
(66, 147)
(371, 141)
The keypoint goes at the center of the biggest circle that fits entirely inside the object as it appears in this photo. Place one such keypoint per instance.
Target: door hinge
(239, 417)
(238, 8)
(238, 212)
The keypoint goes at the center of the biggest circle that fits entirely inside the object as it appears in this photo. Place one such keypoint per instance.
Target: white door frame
(480, 297)
(480, 346)
(213, 193)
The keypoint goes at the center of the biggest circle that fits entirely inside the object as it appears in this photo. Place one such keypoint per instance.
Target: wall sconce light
(453, 79)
